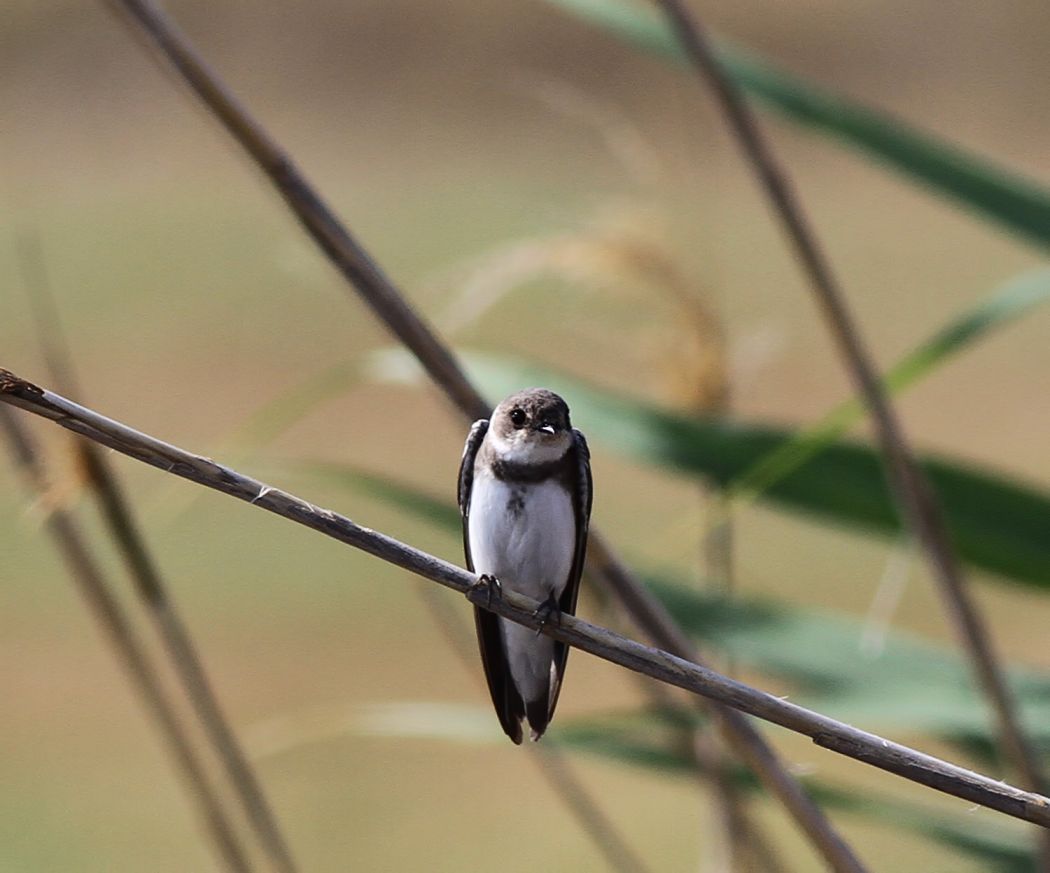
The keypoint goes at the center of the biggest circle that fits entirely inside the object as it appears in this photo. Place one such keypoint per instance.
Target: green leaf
(656, 739)
(909, 685)
(997, 523)
(1019, 204)
(1006, 304)
(426, 720)
(1000, 845)
(288, 732)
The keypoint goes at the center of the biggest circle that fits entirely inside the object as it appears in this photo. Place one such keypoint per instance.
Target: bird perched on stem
(525, 496)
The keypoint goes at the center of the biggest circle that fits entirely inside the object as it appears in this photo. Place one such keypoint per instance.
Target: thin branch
(825, 732)
(118, 630)
(384, 299)
(728, 822)
(149, 585)
(920, 508)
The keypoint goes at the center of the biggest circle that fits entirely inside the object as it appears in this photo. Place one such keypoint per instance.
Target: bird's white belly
(524, 535)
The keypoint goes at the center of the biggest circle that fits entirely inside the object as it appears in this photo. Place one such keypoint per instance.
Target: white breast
(524, 535)
(522, 448)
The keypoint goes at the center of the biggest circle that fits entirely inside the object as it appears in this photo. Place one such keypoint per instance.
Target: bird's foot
(489, 583)
(546, 611)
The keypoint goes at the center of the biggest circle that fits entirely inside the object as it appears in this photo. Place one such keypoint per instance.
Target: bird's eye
(517, 417)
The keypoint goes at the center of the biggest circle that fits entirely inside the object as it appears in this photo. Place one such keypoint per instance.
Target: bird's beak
(547, 428)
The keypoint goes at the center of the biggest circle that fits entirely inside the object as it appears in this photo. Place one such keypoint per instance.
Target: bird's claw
(546, 611)
(490, 583)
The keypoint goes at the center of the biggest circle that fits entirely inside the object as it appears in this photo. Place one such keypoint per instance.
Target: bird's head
(531, 427)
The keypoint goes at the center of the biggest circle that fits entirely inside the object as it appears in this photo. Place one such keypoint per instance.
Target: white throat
(526, 451)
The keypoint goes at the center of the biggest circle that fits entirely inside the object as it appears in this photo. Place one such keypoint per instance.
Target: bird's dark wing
(509, 706)
(583, 494)
(466, 478)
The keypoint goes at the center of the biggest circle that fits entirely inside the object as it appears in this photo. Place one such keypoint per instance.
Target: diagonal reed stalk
(104, 606)
(917, 501)
(606, 644)
(394, 311)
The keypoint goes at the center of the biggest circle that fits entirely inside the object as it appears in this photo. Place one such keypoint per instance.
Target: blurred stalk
(116, 627)
(717, 570)
(386, 301)
(916, 499)
(749, 850)
(148, 584)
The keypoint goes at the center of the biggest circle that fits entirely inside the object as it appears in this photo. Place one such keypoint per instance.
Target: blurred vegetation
(546, 193)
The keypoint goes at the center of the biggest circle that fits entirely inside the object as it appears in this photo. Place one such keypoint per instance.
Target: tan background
(191, 299)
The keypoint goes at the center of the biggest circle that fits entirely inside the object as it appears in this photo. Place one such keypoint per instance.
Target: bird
(525, 495)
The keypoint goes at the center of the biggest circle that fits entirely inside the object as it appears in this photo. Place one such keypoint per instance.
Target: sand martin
(525, 496)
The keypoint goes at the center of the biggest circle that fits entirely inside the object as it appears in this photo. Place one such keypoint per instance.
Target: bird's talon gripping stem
(546, 611)
(489, 583)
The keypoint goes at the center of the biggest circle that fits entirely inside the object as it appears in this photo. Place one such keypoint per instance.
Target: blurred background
(497, 159)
